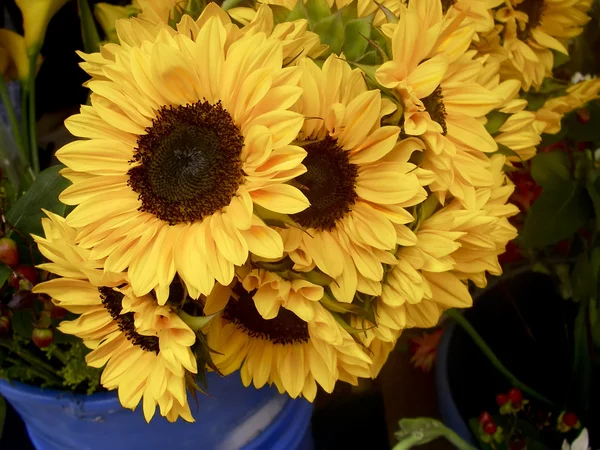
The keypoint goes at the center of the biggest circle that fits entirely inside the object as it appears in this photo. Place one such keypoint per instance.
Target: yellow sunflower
(145, 348)
(358, 180)
(576, 97)
(284, 350)
(186, 132)
(532, 28)
(436, 79)
(511, 125)
(455, 244)
(68, 259)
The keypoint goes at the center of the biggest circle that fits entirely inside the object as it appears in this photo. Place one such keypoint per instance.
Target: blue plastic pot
(446, 404)
(232, 417)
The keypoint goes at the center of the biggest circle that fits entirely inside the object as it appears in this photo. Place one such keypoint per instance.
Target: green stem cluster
(34, 364)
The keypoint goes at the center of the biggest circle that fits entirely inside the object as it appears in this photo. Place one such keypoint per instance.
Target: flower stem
(491, 356)
(32, 369)
(32, 359)
(35, 159)
(13, 122)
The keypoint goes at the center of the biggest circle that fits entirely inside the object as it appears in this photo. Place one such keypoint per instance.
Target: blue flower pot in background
(446, 404)
(231, 417)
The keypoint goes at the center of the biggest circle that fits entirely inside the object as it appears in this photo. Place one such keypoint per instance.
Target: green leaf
(331, 32)
(299, 12)
(27, 213)
(593, 188)
(89, 32)
(506, 151)
(2, 415)
(559, 58)
(4, 273)
(317, 10)
(22, 323)
(584, 132)
(280, 13)
(560, 210)
(422, 430)
(549, 167)
(495, 120)
(356, 33)
(389, 15)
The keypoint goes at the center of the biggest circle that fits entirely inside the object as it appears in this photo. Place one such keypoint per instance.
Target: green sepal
(272, 218)
(317, 10)
(357, 35)
(331, 32)
(495, 120)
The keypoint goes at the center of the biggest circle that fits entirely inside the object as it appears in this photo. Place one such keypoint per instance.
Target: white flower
(581, 443)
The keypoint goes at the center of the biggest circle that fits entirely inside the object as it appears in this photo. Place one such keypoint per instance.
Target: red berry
(485, 417)
(517, 444)
(4, 326)
(501, 399)
(515, 396)
(23, 272)
(9, 254)
(570, 419)
(490, 428)
(58, 313)
(42, 337)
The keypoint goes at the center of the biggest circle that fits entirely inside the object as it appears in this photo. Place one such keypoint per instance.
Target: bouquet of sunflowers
(281, 188)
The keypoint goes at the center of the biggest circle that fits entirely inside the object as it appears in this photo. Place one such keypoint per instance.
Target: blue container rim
(98, 401)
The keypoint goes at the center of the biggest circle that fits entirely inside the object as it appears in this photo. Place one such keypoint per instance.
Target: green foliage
(76, 374)
(331, 32)
(421, 430)
(89, 32)
(549, 167)
(561, 209)
(26, 213)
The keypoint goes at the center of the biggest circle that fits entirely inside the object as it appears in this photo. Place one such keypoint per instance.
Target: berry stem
(37, 364)
(487, 351)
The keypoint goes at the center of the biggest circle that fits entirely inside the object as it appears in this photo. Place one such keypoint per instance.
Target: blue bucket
(446, 404)
(232, 417)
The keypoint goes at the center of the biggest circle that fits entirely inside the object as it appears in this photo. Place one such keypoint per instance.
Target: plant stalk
(491, 356)
(35, 159)
(13, 122)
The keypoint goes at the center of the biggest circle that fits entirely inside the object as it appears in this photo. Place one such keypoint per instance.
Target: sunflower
(186, 132)
(284, 349)
(436, 79)
(68, 259)
(145, 348)
(531, 29)
(455, 244)
(358, 180)
(511, 126)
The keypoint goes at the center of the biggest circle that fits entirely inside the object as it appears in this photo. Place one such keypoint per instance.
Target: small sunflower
(511, 126)
(436, 79)
(145, 348)
(531, 29)
(284, 350)
(358, 180)
(186, 132)
(455, 244)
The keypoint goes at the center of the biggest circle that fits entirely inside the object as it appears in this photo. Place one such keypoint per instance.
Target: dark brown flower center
(328, 184)
(434, 104)
(190, 164)
(286, 328)
(535, 12)
(113, 302)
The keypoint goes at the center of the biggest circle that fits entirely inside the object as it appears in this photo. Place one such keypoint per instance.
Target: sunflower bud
(107, 15)
(36, 16)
